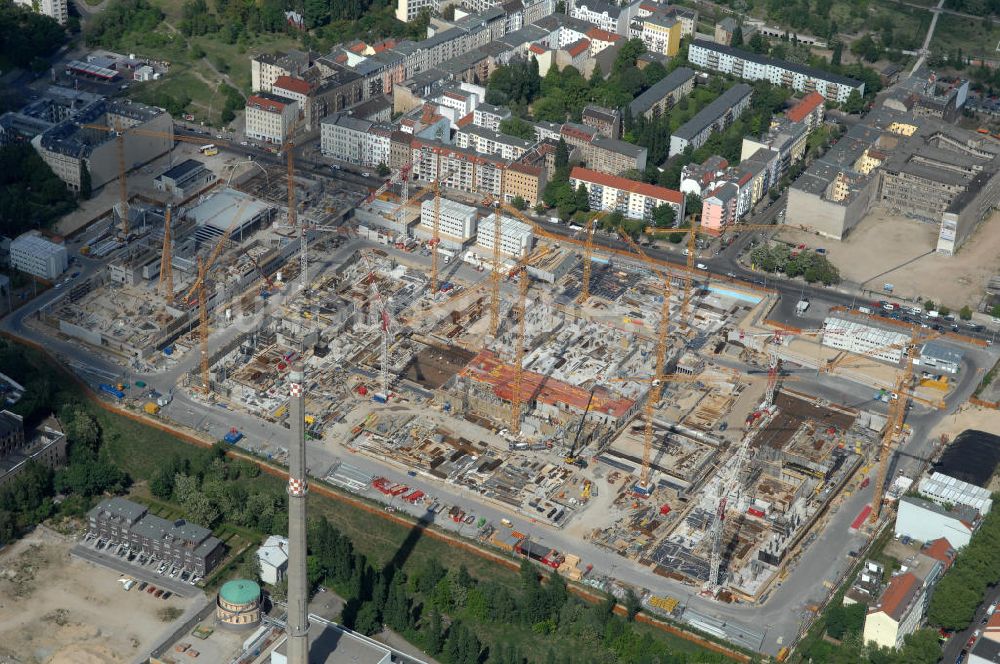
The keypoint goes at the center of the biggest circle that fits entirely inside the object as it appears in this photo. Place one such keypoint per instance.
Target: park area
(887, 248)
(58, 609)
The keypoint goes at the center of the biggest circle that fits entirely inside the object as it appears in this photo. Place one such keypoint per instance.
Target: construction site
(631, 402)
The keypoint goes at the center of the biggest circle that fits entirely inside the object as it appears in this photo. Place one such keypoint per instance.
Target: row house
(634, 199)
(486, 141)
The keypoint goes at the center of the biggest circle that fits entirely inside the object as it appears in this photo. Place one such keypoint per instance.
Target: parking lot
(143, 568)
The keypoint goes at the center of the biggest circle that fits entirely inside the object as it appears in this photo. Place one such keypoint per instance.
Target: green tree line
(31, 196)
(807, 264)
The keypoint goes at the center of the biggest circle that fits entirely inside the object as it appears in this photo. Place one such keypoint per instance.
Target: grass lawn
(975, 38)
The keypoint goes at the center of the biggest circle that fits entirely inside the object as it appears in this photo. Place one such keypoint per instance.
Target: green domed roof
(240, 591)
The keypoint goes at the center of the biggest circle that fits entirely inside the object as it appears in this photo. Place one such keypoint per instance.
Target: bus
(209, 150)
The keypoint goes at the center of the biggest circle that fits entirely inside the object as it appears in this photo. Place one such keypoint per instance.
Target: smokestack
(298, 620)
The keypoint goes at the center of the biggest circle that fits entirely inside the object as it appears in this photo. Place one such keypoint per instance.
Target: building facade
(270, 118)
(608, 155)
(897, 612)
(356, 141)
(925, 521)
(661, 34)
(272, 556)
(46, 446)
(516, 237)
(178, 543)
(267, 67)
(635, 200)
(880, 343)
(457, 222)
(185, 179)
(33, 254)
(755, 67)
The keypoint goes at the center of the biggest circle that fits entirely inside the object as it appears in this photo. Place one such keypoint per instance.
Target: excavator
(572, 458)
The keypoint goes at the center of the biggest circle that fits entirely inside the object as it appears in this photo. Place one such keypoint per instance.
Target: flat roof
(183, 169)
(942, 351)
(660, 90)
(227, 208)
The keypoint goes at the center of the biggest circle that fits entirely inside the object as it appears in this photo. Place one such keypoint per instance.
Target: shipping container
(112, 390)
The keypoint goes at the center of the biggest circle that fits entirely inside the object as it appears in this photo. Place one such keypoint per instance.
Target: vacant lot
(903, 249)
(56, 609)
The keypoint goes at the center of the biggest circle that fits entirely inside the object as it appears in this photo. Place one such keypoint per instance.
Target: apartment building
(266, 68)
(601, 40)
(661, 34)
(490, 116)
(68, 148)
(661, 96)
(719, 208)
(408, 10)
(178, 543)
(516, 237)
(789, 139)
(604, 15)
(525, 178)
(810, 110)
(298, 91)
(32, 254)
(609, 155)
(11, 433)
(716, 116)
(635, 200)
(605, 120)
(356, 141)
(486, 141)
(270, 118)
(755, 67)
(456, 223)
(57, 9)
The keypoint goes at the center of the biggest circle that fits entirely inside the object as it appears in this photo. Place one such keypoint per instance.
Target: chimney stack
(298, 592)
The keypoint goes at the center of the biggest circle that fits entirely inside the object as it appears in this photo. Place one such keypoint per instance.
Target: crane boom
(515, 404)
(166, 285)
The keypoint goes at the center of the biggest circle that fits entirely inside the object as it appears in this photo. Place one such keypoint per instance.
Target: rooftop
(963, 513)
(240, 591)
(942, 351)
(811, 72)
(184, 169)
(713, 111)
(620, 147)
(941, 550)
(898, 596)
(939, 486)
(121, 508)
(805, 106)
(296, 85)
(227, 207)
(661, 89)
(270, 102)
(986, 649)
(633, 186)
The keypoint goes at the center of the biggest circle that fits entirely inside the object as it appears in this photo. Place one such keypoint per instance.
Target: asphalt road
(140, 573)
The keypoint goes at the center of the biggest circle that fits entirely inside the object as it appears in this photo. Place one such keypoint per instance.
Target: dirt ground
(56, 609)
(884, 241)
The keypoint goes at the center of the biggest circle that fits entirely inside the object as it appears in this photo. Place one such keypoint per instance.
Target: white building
(945, 489)
(35, 255)
(356, 141)
(755, 67)
(926, 521)
(456, 225)
(635, 200)
(515, 237)
(486, 141)
(863, 339)
(270, 118)
(604, 15)
(57, 9)
(273, 558)
(490, 116)
(935, 355)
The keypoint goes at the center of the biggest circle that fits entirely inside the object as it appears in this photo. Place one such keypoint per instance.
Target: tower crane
(401, 176)
(385, 320)
(644, 487)
(198, 288)
(588, 251)
(495, 274)
(731, 484)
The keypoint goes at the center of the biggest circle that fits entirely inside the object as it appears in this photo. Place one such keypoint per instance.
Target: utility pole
(297, 624)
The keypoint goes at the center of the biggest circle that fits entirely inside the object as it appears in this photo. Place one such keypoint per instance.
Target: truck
(801, 307)
(543, 554)
(233, 436)
(112, 390)
(380, 397)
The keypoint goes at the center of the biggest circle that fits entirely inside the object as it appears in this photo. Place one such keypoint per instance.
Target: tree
(943, 310)
(838, 53)
(854, 103)
(368, 621)
(519, 203)
(434, 633)
(995, 311)
(515, 126)
(632, 605)
(737, 38)
(928, 305)
(758, 43)
(382, 169)
(664, 216)
(692, 205)
(562, 154)
(965, 313)
(582, 200)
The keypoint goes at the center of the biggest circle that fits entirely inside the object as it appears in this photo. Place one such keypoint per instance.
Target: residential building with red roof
(896, 613)
(634, 199)
(601, 39)
(270, 117)
(810, 110)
